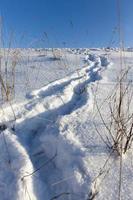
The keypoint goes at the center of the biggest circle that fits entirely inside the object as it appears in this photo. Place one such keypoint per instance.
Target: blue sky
(70, 23)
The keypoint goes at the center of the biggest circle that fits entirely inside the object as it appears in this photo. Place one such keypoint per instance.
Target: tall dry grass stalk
(9, 59)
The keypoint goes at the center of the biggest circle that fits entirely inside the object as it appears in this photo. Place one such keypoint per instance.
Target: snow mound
(15, 164)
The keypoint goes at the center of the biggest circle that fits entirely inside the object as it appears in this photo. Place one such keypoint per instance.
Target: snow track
(54, 153)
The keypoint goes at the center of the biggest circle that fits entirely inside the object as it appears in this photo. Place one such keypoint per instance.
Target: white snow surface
(52, 150)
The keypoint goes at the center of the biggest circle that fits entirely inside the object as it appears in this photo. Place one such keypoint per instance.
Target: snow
(15, 163)
(52, 150)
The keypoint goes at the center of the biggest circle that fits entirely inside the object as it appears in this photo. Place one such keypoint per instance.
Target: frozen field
(52, 150)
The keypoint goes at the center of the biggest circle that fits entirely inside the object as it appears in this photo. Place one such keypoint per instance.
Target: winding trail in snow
(40, 133)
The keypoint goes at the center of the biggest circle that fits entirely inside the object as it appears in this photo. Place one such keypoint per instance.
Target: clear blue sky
(74, 23)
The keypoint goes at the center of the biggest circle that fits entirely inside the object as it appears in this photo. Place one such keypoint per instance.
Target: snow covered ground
(52, 150)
